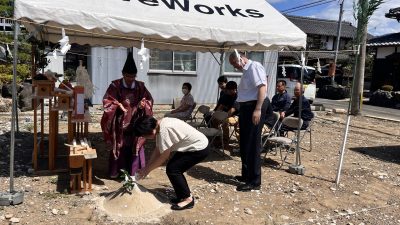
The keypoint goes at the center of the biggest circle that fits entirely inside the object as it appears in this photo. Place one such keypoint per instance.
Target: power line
(303, 5)
(306, 6)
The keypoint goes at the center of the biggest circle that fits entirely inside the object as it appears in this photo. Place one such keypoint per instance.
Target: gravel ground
(368, 192)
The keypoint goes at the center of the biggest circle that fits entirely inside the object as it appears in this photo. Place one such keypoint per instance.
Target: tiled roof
(322, 27)
(385, 40)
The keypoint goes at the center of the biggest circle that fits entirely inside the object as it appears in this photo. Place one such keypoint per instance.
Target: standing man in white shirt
(251, 95)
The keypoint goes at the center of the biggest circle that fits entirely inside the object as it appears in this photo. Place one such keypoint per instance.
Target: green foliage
(6, 9)
(362, 12)
(128, 183)
(70, 74)
(6, 73)
(24, 58)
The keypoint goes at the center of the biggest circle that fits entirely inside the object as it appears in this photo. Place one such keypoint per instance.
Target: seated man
(306, 114)
(280, 103)
(222, 81)
(226, 102)
(185, 109)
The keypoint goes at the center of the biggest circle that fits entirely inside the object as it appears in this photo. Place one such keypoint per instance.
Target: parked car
(292, 76)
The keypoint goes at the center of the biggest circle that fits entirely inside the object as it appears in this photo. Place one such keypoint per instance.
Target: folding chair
(198, 120)
(287, 143)
(190, 117)
(306, 131)
(309, 131)
(266, 131)
(219, 118)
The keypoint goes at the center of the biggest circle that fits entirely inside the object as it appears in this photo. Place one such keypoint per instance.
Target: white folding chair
(198, 119)
(288, 144)
(306, 131)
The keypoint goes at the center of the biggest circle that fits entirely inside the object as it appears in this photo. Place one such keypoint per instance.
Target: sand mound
(137, 206)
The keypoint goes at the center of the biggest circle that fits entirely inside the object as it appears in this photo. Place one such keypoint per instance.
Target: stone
(5, 104)
(54, 211)
(31, 170)
(25, 97)
(248, 211)
(284, 217)
(313, 210)
(65, 212)
(8, 216)
(332, 189)
(356, 193)
(339, 111)
(14, 220)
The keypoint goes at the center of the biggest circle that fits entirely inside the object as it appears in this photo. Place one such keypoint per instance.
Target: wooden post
(41, 126)
(89, 162)
(35, 136)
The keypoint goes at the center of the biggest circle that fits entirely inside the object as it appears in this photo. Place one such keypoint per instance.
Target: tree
(24, 49)
(6, 8)
(363, 11)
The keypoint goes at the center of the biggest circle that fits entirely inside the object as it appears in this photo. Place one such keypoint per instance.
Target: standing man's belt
(248, 102)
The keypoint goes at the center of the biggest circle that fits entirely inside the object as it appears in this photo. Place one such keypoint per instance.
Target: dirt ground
(369, 190)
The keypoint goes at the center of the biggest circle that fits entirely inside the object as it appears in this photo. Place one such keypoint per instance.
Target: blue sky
(378, 25)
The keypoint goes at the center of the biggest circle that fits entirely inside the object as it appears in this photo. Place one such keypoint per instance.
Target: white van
(292, 76)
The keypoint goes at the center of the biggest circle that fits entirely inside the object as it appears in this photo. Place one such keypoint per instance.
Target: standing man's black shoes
(240, 179)
(247, 187)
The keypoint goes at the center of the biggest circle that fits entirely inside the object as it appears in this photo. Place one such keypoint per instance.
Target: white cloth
(83, 79)
(253, 76)
(179, 136)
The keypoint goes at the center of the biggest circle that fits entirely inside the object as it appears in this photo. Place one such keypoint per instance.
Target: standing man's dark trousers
(250, 142)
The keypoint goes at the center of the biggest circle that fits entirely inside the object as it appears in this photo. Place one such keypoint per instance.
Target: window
(255, 56)
(172, 61)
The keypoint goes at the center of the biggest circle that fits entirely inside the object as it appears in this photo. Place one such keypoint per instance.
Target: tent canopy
(197, 25)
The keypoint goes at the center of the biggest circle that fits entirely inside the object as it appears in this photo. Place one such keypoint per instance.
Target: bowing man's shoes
(187, 206)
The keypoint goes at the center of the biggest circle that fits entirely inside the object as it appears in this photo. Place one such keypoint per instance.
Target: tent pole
(12, 197)
(346, 131)
(14, 106)
(297, 168)
(221, 66)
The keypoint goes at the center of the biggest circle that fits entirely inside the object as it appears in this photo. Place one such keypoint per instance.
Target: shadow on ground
(384, 153)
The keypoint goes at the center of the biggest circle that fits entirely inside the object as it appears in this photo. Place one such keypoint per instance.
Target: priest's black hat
(130, 66)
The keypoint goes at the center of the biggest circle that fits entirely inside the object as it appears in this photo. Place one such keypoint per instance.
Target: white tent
(196, 25)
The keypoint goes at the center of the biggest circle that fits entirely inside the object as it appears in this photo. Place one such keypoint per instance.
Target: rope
(93, 34)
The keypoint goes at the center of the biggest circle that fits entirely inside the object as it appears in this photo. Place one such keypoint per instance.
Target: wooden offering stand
(80, 163)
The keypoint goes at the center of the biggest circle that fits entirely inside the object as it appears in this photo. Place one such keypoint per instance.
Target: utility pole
(358, 80)
(339, 29)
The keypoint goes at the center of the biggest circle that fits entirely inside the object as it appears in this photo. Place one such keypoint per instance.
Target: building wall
(105, 65)
(382, 52)
(330, 43)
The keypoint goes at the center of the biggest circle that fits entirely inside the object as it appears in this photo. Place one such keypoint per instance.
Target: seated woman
(186, 108)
